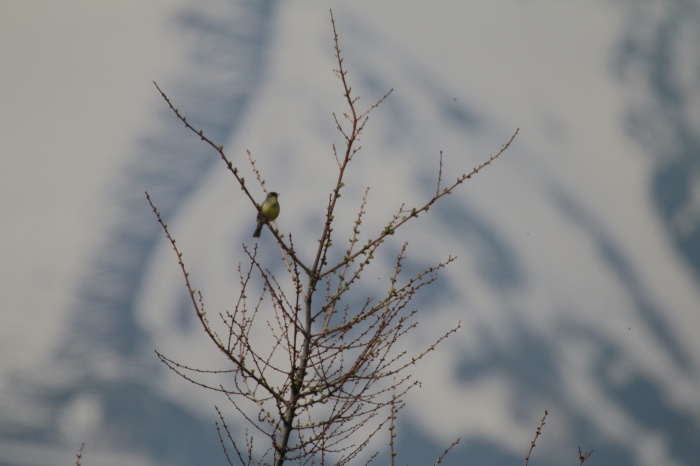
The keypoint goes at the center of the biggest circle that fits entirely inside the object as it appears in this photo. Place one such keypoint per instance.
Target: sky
(577, 278)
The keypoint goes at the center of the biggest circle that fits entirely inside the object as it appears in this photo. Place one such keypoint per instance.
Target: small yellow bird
(269, 210)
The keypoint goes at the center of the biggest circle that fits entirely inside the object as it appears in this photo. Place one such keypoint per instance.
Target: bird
(269, 210)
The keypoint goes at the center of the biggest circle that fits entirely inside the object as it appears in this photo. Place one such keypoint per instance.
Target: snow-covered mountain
(579, 249)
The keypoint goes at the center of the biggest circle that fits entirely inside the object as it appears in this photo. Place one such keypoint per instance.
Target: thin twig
(537, 434)
(79, 455)
(447, 450)
(583, 456)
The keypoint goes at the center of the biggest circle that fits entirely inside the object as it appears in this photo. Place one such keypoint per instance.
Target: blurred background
(577, 283)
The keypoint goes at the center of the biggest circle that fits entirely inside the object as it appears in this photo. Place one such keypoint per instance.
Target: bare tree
(334, 376)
